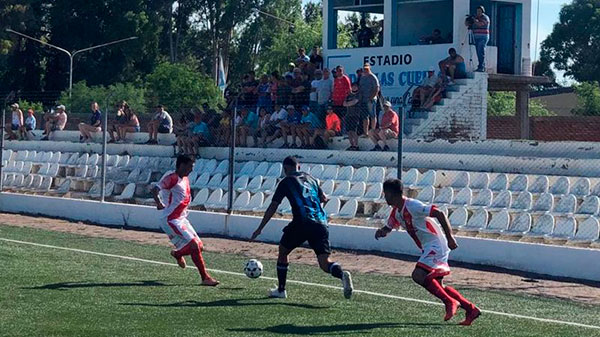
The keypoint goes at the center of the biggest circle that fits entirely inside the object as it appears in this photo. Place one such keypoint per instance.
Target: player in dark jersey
(309, 223)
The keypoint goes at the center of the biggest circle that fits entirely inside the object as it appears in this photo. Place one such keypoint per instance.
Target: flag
(221, 80)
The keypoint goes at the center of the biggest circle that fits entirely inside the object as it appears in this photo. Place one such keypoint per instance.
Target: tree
(83, 95)
(588, 99)
(503, 104)
(573, 45)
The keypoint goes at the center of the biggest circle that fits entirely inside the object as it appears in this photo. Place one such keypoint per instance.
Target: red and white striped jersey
(416, 218)
(179, 196)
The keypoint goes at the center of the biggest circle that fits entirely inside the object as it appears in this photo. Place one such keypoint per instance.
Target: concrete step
(453, 94)
(418, 114)
(465, 81)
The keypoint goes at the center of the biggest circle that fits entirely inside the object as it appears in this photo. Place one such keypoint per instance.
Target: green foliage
(83, 95)
(573, 44)
(503, 104)
(588, 99)
(26, 105)
(178, 87)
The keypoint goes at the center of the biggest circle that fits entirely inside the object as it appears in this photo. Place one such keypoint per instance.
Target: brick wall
(547, 128)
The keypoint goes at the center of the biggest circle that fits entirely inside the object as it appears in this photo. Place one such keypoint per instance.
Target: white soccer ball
(253, 268)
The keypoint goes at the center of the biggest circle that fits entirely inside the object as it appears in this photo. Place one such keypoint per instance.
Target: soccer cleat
(472, 315)
(275, 293)
(347, 282)
(210, 282)
(451, 309)
(180, 260)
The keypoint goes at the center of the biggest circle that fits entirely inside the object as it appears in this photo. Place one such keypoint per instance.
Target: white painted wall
(536, 258)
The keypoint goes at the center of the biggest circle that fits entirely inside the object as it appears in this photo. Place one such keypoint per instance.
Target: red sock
(457, 296)
(196, 253)
(435, 288)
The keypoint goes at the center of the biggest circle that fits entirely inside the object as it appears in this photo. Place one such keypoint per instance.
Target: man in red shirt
(341, 89)
(389, 128)
(333, 127)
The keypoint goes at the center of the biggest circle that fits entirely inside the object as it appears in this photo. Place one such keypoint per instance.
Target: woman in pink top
(389, 128)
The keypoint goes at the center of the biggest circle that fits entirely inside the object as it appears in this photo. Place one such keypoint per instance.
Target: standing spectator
(55, 121)
(247, 126)
(333, 128)
(481, 36)
(250, 91)
(302, 57)
(131, 124)
(314, 88)
(120, 121)
(264, 128)
(16, 122)
(341, 89)
(353, 117)
(95, 125)
(160, 123)
(309, 123)
(26, 130)
(298, 89)
(264, 94)
(368, 87)
(284, 91)
(288, 127)
(274, 86)
(324, 93)
(315, 58)
(364, 35)
(453, 67)
(290, 72)
(389, 128)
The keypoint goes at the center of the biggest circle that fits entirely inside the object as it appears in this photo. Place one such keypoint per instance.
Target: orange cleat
(180, 260)
(210, 282)
(451, 309)
(472, 315)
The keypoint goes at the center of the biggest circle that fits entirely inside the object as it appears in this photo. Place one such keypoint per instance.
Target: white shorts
(435, 259)
(180, 232)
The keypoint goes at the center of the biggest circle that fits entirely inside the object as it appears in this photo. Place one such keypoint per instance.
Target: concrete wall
(65, 146)
(537, 258)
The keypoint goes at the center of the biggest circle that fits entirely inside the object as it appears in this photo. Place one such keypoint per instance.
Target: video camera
(470, 21)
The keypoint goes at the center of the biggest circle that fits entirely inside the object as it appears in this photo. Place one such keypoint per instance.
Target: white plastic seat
(317, 171)
(392, 173)
(483, 198)
(214, 199)
(27, 166)
(198, 165)
(330, 173)
(332, 207)
(262, 169)
(241, 184)
(522, 202)
(540, 185)
(21, 155)
(587, 230)
(500, 183)
(248, 169)
(589, 206)
(210, 167)
(564, 229)
(133, 163)
(83, 159)
(18, 181)
(426, 195)
(596, 190)
(269, 185)
(348, 211)
(499, 222)
(566, 205)
(544, 203)
(581, 188)
(284, 207)
(9, 178)
(373, 193)
(428, 178)
(561, 186)
(411, 177)
(111, 160)
(127, 193)
(255, 184)
(458, 218)
(43, 169)
(64, 187)
(27, 181)
(519, 184)
(93, 159)
(520, 225)
(81, 171)
(200, 198)
(35, 184)
(376, 174)
(255, 202)
(461, 180)
(463, 197)
(275, 170)
(345, 173)
(46, 157)
(56, 157)
(144, 177)
(30, 155)
(266, 203)
(133, 176)
(242, 200)
(225, 183)
(543, 225)
(445, 196)
(328, 186)
(192, 177)
(477, 222)
(341, 189)
(357, 191)
(46, 184)
(383, 212)
(202, 180)
(11, 167)
(73, 158)
(362, 174)
(123, 161)
(502, 200)
(144, 162)
(215, 181)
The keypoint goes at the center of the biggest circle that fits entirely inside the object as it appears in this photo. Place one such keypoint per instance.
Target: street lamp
(71, 54)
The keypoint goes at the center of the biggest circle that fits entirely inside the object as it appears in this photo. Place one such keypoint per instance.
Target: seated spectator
(264, 128)
(95, 125)
(160, 123)
(131, 124)
(333, 128)
(26, 130)
(16, 122)
(421, 93)
(55, 121)
(201, 135)
(119, 121)
(388, 129)
(309, 123)
(250, 91)
(302, 57)
(247, 126)
(434, 38)
(183, 131)
(453, 67)
(353, 119)
(273, 127)
(264, 94)
(288, 127)
(222, 137)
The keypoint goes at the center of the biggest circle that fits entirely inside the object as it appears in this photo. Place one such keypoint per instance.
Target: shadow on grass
(359, 328)
(237, 302)
(83, 284)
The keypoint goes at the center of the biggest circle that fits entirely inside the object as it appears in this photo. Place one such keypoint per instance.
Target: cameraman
(480, 24)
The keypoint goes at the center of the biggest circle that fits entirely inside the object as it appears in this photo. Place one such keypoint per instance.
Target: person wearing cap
(16, 122)
(333, 128)
(26, 130)
(290, 72)
(160, 123)
(95, 125)
(55, 121)
(481, 36)
(352, 119)
(368, 88)
(389, 128)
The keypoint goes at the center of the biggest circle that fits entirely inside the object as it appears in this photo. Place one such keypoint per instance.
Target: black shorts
(317, 235)
(163, 129)
(353, 123)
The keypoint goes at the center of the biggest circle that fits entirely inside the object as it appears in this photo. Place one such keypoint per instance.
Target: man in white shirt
(314, 89)
(274, 126)
(324, 92)
(160, 123)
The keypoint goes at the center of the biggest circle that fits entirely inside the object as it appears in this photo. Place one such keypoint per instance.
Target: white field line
(408, 299)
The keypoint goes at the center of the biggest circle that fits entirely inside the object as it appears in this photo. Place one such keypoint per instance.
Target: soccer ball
(253, 268)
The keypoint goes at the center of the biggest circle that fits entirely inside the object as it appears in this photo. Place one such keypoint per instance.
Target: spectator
(288, 127)
(314, 88)
(353, 117)
(274, 86)
(247, 126)
(118, 123)
(324, 93)
(298, 89)
(422, 93)
(389, 128)
(183, 132)
(453, 67)
(302, 57)
(341, 89)
(250, 90)
(434, 38)
(95, 125)
(273, 127)
(380, 35)
(368, 88)
(264, 128)
(264, 94)
(359, 73)
(55, 121)
(315, 58)
(333, 128)
(201, 135)
(160, 123)
(224, 128)
(284, 91)
(290, 72)
(364, 35)
(481, 36)
(131, 124)
(16, 122)
(26, 130)
(309, 123)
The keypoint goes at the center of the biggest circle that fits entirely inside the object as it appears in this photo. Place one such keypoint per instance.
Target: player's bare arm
(155, 191)
(266, 218)
(382, 232)
(445, 223)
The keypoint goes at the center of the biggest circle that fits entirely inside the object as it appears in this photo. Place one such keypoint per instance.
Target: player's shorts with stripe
(317, 235)
(180, 232)
(435, 259)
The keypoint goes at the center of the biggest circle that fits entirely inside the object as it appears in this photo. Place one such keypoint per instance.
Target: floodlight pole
(71, 54)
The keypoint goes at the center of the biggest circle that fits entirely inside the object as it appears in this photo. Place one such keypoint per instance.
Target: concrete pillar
(522, 109)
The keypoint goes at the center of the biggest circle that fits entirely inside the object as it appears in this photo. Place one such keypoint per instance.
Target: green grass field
(51, 292)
